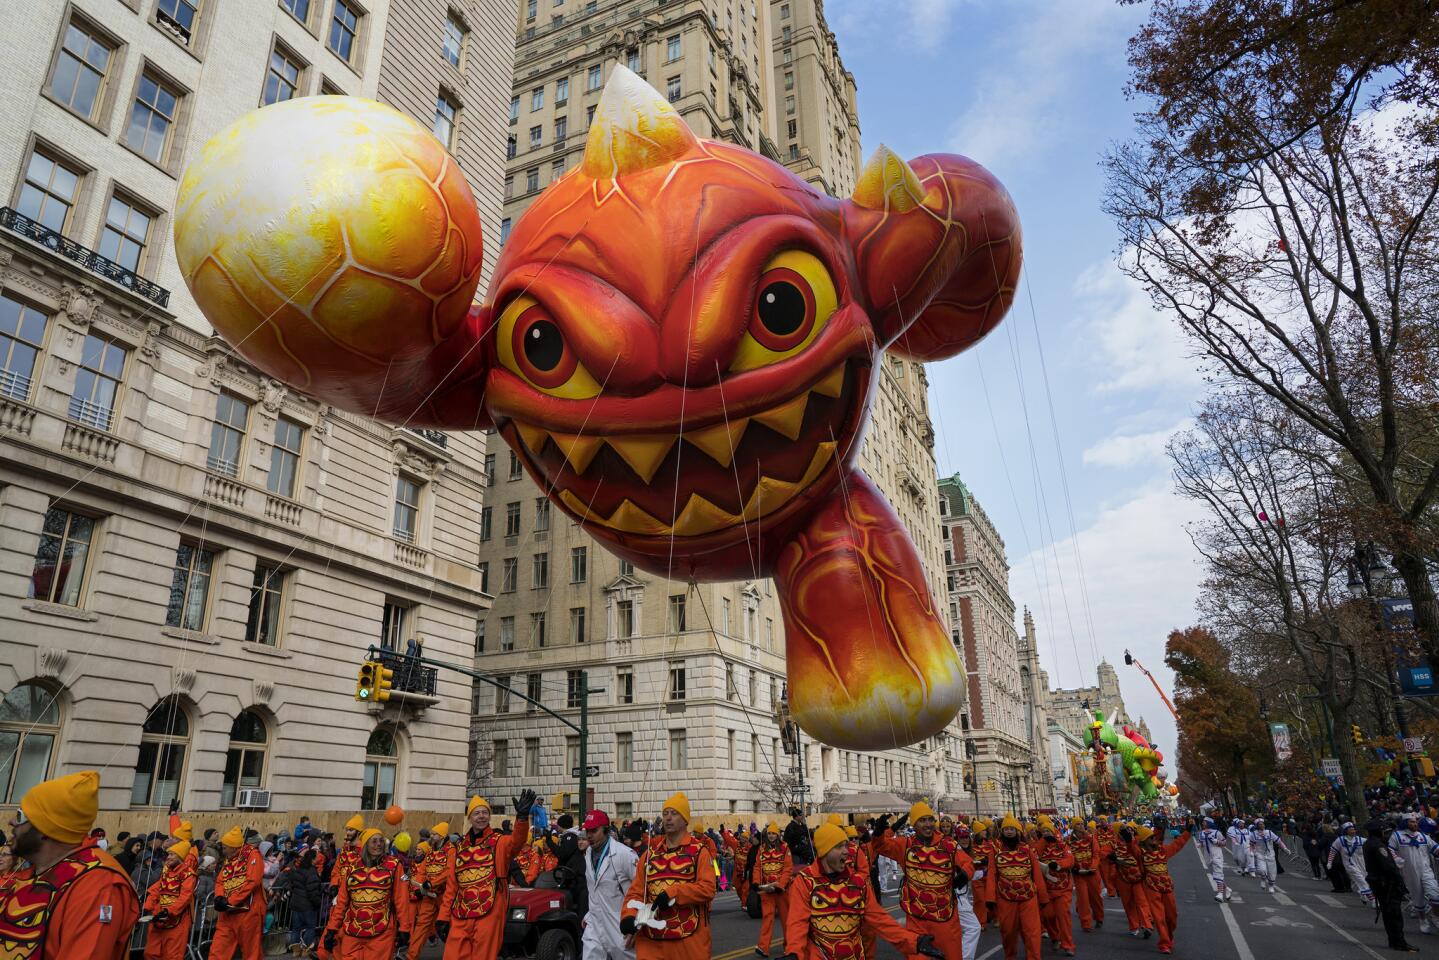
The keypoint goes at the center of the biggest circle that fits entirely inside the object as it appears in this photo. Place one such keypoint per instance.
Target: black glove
(789, 956)
(927, 947)
(961, 879)
(627, 926)
(524, 803)
(402, 939)
(222, 905)
(161, 915)
(332, 937)
(425, 887)
(442, 929)
(882, 824)
(899, 824)
(663, 901)
(334, 890)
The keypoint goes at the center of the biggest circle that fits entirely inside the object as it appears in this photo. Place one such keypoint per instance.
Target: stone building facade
(1034, 686)
(194, 560)
(1074, 709)
(816, 117)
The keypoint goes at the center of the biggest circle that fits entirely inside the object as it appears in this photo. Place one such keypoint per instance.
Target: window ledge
(265, 650)
(167, 171)
(190, 636)
(60, 610)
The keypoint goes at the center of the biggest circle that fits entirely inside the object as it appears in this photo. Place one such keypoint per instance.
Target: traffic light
(365, 685)
(384, 680)
(1356, 734)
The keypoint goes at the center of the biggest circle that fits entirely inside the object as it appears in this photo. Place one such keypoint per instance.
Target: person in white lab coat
(1349, 848)
(609, 871)
(1212, 843)
(1415, 851)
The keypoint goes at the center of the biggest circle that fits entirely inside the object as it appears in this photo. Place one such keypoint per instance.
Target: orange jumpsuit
(1159, 887)
(927, 893)
(85, 908)
(1087, 899)
(1015, 891)
(828, 917)
(858, 861)
(739, 845)
(687, 874)
(242, 926)
(431, 870)
(477, 892)
(1060, 887)
(772, 865)
(370, 908)
(983, 851)
(174, 896)
(527, 862)
(345, 861)
(1129, 879)
(1105, 840)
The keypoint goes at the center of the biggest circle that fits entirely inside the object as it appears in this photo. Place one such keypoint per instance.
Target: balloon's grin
(709, 478)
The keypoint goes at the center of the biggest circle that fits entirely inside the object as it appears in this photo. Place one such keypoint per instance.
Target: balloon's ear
(937, 246)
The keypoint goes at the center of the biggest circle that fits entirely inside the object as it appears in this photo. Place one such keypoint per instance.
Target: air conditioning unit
(254, 800)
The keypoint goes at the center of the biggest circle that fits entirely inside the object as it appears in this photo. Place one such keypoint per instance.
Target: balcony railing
(18, 223)
(438, 437)
(410, 677)
(90, 414)
(14, 385)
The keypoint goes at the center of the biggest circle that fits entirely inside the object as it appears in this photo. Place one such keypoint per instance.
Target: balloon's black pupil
(544, 347)
(781, 308)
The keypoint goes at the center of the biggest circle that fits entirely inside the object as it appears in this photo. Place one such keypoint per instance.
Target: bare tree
(779, 791)
(482, 766)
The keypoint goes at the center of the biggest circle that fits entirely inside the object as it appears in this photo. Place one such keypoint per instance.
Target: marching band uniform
(433, 874)
(1105, 840)
(932, 872)
(171, 901)
(739, 844)
(372, 908)
(1129, 878)
(239, 890)
(1059, 883)
(345, 861)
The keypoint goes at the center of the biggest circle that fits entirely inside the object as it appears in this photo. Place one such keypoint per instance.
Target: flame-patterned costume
(932, 871)
(1089, 902)
(980, 852)
(829, 915)
(1104, 840)
(1129, 881)
(171, 900)
(241, 927)
(434, 871)
(345, 861)
(372, 906)
(739, 844)
(679, 342)
(526, 866)
(1059, 884)
(1016, 894)
(772, 865)
(1159, 886)
(686, 874)
(477, 891)
(83, 906)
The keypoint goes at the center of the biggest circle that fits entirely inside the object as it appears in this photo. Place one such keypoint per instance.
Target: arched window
(245, 761)
(382, 762)
(160, 770)
(29, 730)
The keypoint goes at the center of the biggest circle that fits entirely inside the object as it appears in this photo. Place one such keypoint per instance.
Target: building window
(444, 126)
(672, 49)
(511, 148)
(344, 24)
(785, 34)
(160, 769)
(572, 689)
(486, 523)
(227, 434)
(729, 750)
(59, 572)
(504, 229)
(627, 569)
(514, 108)
(589, 115)
(454, 39)
(540, 570)
(789, 104)
(624, 753)
(557, 169)
(632, 60)
(625, 685)
(769, 633)
(753, 686)
(516, 470)
(577, 624)
(152, 117)
(382, 761)
(512, 519)
(49, 192)
(245, 760)
(500, 763)
(534, 689)
(507, 634)
(285, 457)
(80, 70)
(502, 694)
(179, 16)
(672, 88)
(677, 680)
(299, 9)
(710, 57)
(407, 508)
(592, 78)
(537, 136)
(126, 234)
(794, 151)
(562, 128)
(784, 11)
(22, 336)
(532, 756)
(731, 691)
(489, 467)
(724, 615)
(792, 128)
(753, 752)
(788, 55)
(532, 183)
(29, 730)
(393, 620)
(679, 750)
(490, 457)
(530, 9)
(510, 574)
(572, 752)
(562, 90)
(484, 568)
(282, 79)
(266, 592)
(624, 619)
(537, 99)
(189, 588)
(537, 630)
(677, 613)
(579, 564)
(789, 80)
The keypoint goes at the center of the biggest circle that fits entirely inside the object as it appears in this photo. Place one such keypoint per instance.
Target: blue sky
(1035, 91)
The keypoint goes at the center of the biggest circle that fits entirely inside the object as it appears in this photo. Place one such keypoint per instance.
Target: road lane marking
(990, 952)
(1329, 901)
(1281, 899)
(1241, 946)
(1342, 932)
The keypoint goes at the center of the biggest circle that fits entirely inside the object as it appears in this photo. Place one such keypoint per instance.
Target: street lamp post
(1366, 571)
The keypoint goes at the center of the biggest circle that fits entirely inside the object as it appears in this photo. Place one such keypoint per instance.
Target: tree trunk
(1415, 574)
(1348, 760)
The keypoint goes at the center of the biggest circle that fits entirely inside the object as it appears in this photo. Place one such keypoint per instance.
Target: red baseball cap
(595, 819)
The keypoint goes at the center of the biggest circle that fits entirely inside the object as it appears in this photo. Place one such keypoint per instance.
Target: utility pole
(584, 742)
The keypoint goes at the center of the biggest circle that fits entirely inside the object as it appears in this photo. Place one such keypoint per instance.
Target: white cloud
(1131, 449)
(926, 23)
(1136, 347)
(1142, 575)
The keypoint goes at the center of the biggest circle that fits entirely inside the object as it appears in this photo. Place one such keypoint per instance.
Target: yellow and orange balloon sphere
(394, 815)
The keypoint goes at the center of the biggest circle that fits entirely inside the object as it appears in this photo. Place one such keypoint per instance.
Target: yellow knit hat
(982, 824)
(919, 811)
(64, 809)
(234, 837)
(835, 819)
(1010, 821)
(679, 803)
(1091, 825)
(423, 849)
(826, 838)
(366, 835)
(442, 828)
(356, 822)
(851, 831)
(1076, 822)
(476, 802)
(186, 831)
(1044, 822)
(772, 827)
(181, 849)
(1143, 833)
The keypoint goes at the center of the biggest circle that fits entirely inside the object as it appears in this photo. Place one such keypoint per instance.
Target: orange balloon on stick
(394, 814)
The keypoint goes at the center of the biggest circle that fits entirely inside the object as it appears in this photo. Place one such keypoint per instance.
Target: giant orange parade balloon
(680, 341)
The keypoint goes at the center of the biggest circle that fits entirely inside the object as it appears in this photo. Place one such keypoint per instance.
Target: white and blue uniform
(968, 922)
(1239, 846)
(1350, 851)
(1264, 847)
(1212, 843)
(1414, 853)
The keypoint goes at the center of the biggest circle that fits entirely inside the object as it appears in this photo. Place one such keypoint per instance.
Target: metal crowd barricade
(202, 929)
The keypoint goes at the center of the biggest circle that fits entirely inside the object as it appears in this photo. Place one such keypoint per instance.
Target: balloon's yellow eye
(794, 300)
(532, 346)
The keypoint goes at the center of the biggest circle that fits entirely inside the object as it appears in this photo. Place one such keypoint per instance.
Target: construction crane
(1131, 662)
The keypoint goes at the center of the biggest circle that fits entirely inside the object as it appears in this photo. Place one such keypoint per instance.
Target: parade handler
(472, 914)
(934, 868)
(239, 900)
(171, 904)
(675, 879)
(773, 870)
(373, 906)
